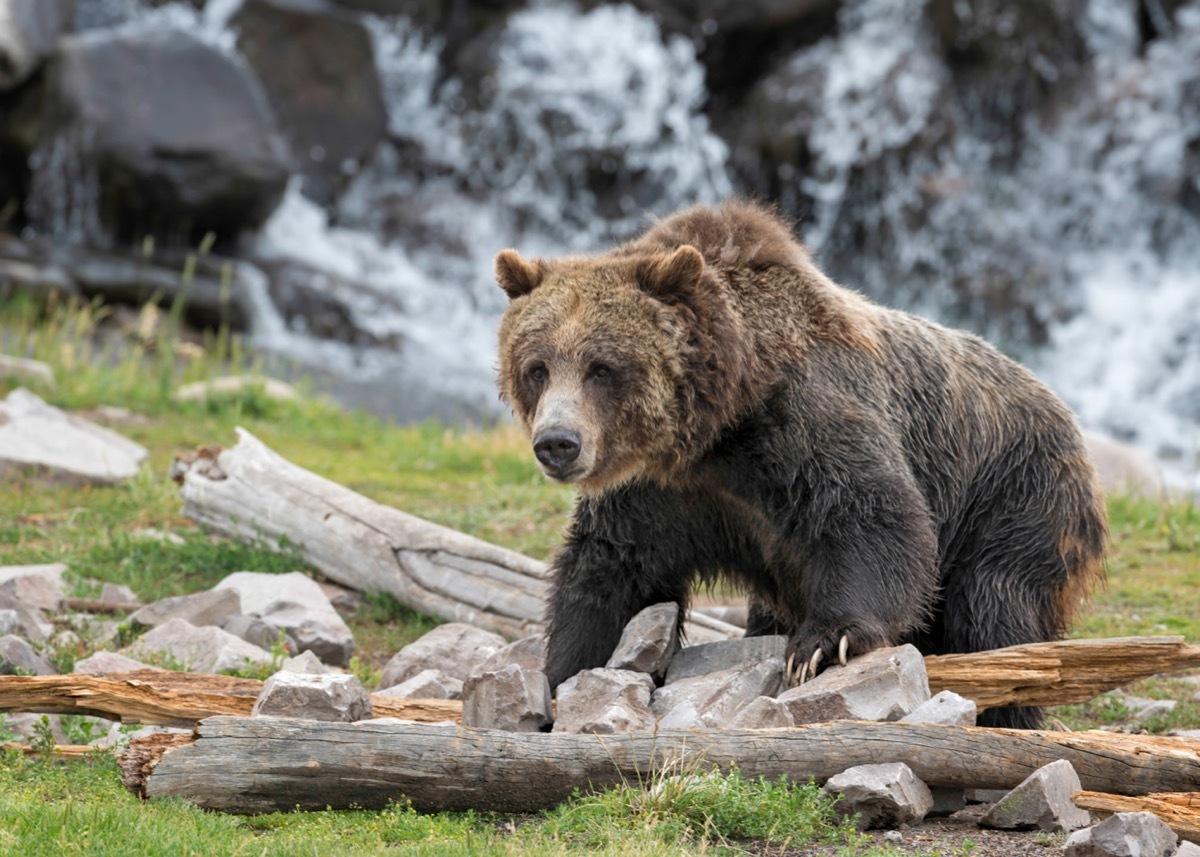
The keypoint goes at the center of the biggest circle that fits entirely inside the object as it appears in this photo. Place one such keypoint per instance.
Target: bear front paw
(809, 651)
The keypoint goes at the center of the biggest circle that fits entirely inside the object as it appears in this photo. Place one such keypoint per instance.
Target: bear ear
(673, 276)
(515, 275)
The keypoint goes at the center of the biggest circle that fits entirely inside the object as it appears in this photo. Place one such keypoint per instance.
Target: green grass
(481, 480)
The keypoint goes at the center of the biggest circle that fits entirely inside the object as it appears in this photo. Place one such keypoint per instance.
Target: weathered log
(60, 751)
(167, 698)
(260, 764)
(1180, 810)
(1057, 673)
(252, 494)
(97, 605)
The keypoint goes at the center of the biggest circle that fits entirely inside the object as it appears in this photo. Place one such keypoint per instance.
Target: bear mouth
(564, 474)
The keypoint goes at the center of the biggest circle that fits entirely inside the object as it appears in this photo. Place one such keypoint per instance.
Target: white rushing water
(593, 121)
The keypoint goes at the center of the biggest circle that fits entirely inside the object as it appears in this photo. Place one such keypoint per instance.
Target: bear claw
(808, 669)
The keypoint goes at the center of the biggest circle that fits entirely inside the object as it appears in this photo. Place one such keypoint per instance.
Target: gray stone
(1188, 849)
(881, 795)
(200, 609)
(8, 621)
(30, 622)
(29, 30)
(683, 715)
(692, 661)
(511, 699)
(19, 368)
(1142, 709)
(119, 593)
(946, 801)
(1190, 734)
(882, 685)
(947, 708)
(66, 641)
(334, 697)
(206, 649)
(295, 603)
(306, 663)
(39, 586)
(765, 712)
(97, 631)
(717, 697)
(528, 653)
(258, 631)
(604, 702)
(1123, 834)
(345, 601)
(35, 434)
(17, 657)
(984, 795)
(427, 684)
(649, 641)
(454, 648)
(102, 663)
(1042, 800)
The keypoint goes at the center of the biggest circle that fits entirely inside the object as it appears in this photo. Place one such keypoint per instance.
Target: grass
(477, 479)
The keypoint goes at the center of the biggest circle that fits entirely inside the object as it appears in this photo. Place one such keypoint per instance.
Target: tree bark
(252, 494)
(262, 764)
(1180, 810)
(166, 698)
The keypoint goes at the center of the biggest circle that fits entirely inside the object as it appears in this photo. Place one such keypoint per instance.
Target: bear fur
(726, 410)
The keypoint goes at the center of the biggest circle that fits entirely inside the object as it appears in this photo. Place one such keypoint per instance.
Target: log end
(143, 756)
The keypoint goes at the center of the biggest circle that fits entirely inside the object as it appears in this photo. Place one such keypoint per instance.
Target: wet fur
(859, 470)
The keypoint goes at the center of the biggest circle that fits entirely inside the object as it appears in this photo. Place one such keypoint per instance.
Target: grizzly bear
(726, 410)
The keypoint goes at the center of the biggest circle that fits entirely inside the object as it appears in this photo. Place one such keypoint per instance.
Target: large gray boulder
(36, 435)
(102, 663)
(885, 684)
(169, 136)
(692, 661)
(317, 67)
(206, 650)
(716, 698)
(649, 641)
(17, 657)
(1042, 800)
(886, 795)
(210, 607)
(513, 699)
(338, 698)
(24, 619)
(29, 30)
(296, 604)
(1124, 834)
(456, 648)
(604, 702)
(39, 586)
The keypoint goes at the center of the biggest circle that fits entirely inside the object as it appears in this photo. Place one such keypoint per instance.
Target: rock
(605, 701)
(8, 621)
(528, 653)
(717, 697)
(946, 801)
(1042, 800)
(295, 603)
(258, 631)
(1124, 834)
(454, 648)
(511, 699)
(205, 650)
(164, 134)
(17, 657)
(427, 684)
(39, 586)
(29, 30)
(321, 304)
(338, 698)
(765, 712)
(26, 371)
(1187, 849)
(30, 622)
(984, 795)
(947, 707)
(97, 631)
(649, 641)
(317, 66)
(1142, 709)
(683, 715)
(119, 593)
(232, 386)
(102, 663)
(306, 663)
(713, 657)
(882, 795)
(1124, 469)
(885, 684)
(345, 601)
(34, 434)
(211, 607)
(66, 641)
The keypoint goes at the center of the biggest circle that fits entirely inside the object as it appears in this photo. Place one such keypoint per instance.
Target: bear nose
(556, 447)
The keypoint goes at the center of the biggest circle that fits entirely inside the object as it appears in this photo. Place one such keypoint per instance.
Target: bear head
(598, 360)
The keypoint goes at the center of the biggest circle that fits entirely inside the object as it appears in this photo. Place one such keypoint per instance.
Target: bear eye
(538, 374)
(600, 372)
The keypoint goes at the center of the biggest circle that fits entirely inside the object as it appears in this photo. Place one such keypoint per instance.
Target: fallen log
(1180, 810)
(265, 764)
(167, 698)
(252, 494)
(97, 605)
(60, 751)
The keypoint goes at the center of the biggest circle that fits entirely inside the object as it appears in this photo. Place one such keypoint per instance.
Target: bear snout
(557, 447)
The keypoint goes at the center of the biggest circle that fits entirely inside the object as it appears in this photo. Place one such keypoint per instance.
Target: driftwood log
(264, 764)
(1038, 674)
(166, 698)
(253, 494)
(1180, 810)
